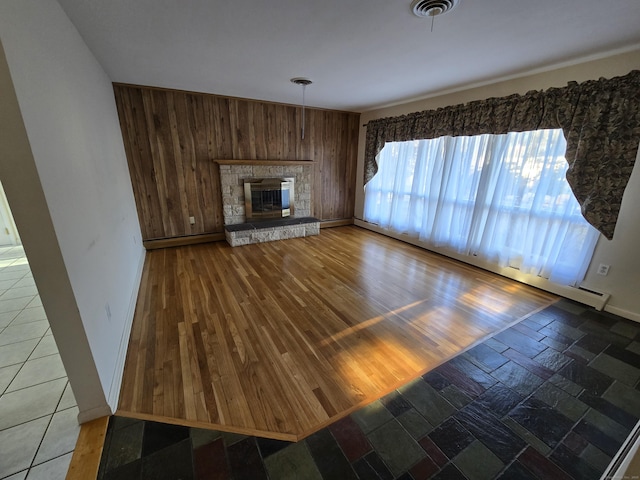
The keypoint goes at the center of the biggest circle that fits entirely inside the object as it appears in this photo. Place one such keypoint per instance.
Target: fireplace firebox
(268, 198)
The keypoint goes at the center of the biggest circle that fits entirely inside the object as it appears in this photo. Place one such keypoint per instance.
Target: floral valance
(600, 120)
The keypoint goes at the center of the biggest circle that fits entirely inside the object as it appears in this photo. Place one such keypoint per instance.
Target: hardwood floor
(279, 339)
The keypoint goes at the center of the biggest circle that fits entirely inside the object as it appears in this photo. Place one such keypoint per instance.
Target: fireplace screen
(268, 198)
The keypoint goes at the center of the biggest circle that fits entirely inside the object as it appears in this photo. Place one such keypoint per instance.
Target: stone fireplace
(243, 229)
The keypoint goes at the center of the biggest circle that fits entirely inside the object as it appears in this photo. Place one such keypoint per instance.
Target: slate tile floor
(554, 396)
(38, 413)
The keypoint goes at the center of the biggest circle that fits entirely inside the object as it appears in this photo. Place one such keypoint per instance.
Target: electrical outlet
(192, 220)
(603, 269)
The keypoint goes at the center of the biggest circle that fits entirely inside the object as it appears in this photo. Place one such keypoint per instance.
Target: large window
(503, 198)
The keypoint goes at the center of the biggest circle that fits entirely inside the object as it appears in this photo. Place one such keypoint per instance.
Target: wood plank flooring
(279, 339)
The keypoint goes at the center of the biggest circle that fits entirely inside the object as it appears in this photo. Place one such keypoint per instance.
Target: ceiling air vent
(432, 8)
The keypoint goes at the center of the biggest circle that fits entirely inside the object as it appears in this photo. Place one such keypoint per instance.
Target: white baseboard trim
(625, 464)
(93, 413)
(598, 300)
(622, 313)
(116, 382)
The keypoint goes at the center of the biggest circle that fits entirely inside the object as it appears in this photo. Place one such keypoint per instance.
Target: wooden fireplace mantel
(264, 162)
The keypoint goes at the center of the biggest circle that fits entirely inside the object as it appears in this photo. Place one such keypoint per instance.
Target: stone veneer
(233, 174)
(270, 230)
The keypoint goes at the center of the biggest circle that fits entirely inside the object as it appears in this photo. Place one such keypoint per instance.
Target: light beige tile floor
(38, 414)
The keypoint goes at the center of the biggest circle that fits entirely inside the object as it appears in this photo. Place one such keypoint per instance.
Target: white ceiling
(360, 54)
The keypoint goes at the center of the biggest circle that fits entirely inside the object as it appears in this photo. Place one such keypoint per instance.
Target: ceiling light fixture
(304, 82)
(432, 8)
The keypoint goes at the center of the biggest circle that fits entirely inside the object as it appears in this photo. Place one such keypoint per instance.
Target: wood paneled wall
(171, 138)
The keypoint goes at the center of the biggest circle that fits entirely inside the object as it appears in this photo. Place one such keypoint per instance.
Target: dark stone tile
(460, 380)
(436, 380)
(450, 472)
(518, 378)
(566, 404)
(562, 329)
(201, 436)
(528, 437)
(543, 421)
(590, 379)
(552, 359)
(592, 343)
(556, 345)
(129, 471)
(405, 476)
(491, 431)
(396, 447)
(564, 316)
(529, 332)
(578, 354)
(520, 342)
(427, 401)
(615, 368)
(573, 464)
(499, 400)
(378, 466)
(415, 424)
(433, 451)
(125, 446)
(424, 469)
(328, 456)
(473, 372)
(566, 385)
(478, 462)
(295, 461)
(602, 331)
(351, 439)
(624, 397)
(609, 409)
(232, 438)
(161, 435)
(606, 425)
(455, 396)
(626, 328)
(102, 467)
(538, 320)
(269, 446)
(531, 365)
(372, 416)
(595, 436)
(487, 356)
(596, 458)
(541, 466)
(517, 471)
(174, 461)
(451, 437)
(366, 471)
(244, 460)
(395, 403)
(122, 422)
(210, 462)
(575, 442)
(497, 345)
(603, 319)
(623, 355)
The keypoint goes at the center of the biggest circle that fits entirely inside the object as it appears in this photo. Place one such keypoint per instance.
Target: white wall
(623, 252)
(75, 147)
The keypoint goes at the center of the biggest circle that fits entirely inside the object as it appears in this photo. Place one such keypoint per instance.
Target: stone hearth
(233, 174)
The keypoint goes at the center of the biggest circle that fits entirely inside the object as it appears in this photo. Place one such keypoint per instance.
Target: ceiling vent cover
(432, 8)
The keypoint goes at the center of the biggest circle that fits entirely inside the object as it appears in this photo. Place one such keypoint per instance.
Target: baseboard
(623, 313)
(597, 300)
(93, 413)
(181, 241)
(336, 223)
(116, 381)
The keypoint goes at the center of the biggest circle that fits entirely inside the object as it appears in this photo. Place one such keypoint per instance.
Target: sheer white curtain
(503, 198)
